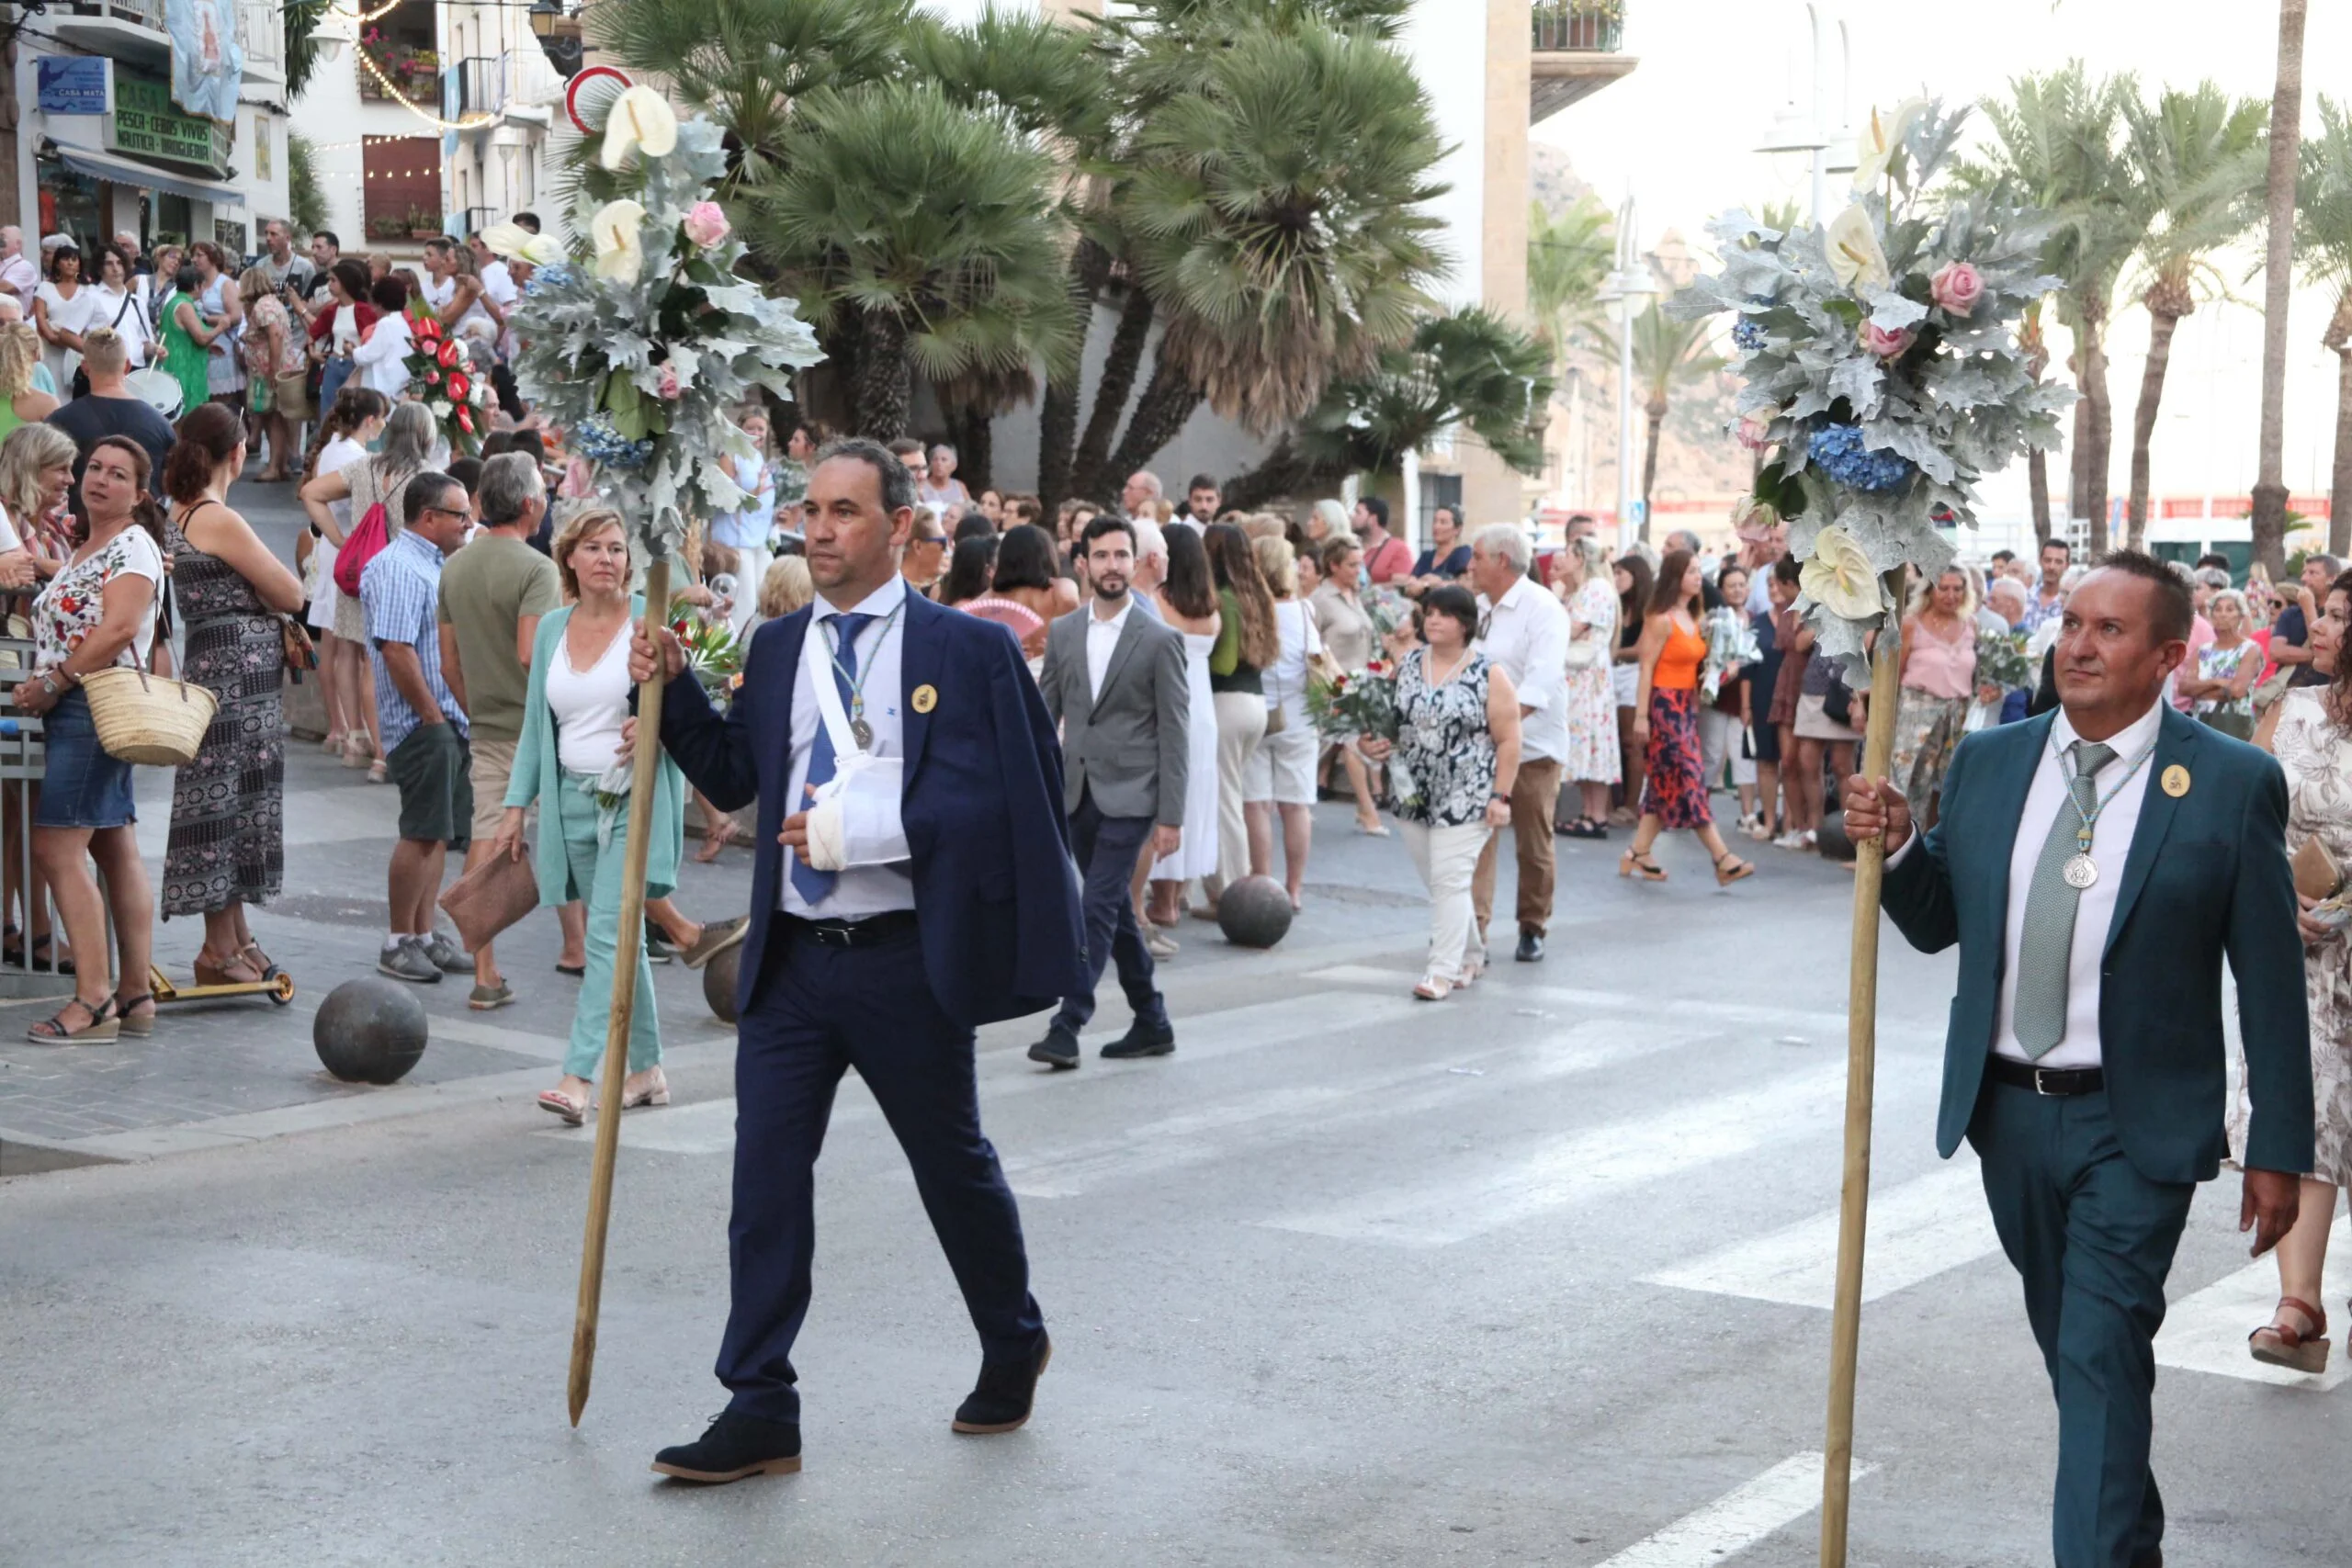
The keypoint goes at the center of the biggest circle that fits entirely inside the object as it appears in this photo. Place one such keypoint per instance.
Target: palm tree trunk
(2036, 481)
(1167, 401)
(1284, 471)
(971, 430)
(2339, 506)
(1057, 419)
(2100, 448)
(1118, 379)
(2162, 325)
(1657, 415)
(2278, 279)
(884, 386)
(2079, 446)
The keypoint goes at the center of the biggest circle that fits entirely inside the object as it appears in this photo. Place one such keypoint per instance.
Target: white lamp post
(1811, 131)
(1629, 287)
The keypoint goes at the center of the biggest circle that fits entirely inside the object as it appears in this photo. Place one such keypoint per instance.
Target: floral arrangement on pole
(1883, 375)
(441, 371)
(643, 344)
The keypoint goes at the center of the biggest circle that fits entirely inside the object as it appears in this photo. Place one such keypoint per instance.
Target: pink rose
(1884, 344)
(668, 389)
(1956, 289)
(1752, 429)
(706, 225)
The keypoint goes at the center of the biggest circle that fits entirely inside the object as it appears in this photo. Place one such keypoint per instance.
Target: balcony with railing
(261, 28)
(476, 89)
(124, 30)
(1577, 46)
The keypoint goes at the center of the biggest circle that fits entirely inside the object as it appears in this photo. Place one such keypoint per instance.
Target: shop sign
(78, 85)
(146, 125)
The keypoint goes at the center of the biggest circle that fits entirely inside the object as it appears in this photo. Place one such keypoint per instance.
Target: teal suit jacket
(2206, 877)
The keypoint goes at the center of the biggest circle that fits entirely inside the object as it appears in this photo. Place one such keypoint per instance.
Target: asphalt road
(1536, 1276)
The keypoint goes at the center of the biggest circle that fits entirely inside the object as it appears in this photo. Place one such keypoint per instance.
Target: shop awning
(127, 170)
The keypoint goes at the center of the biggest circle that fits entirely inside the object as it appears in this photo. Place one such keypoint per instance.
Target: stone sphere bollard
(1830, 837)
(719, 977)
(1254, 913)
(369, 1031)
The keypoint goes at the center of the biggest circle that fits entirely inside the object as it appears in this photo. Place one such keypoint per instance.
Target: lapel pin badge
(926, 697)
(2176, 781)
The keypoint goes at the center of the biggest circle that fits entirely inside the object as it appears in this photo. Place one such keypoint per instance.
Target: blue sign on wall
(77, 85)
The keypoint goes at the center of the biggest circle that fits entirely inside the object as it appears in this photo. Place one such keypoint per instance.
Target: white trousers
(1721, 736)
(1240, 730)
(1447, 858)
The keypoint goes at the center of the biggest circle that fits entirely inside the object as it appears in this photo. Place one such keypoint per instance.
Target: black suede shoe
(1531, 948)
(1057, 1050)
(736, 1446)
(1001, 1401)
(1142, 1040)
(2152, 1558)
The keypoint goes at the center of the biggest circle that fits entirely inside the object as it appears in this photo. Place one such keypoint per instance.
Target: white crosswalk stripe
(1917, 1230)
(2206, 1332)
(1733, 1523)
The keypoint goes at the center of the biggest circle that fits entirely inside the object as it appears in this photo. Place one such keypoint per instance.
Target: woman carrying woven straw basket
(99, 610)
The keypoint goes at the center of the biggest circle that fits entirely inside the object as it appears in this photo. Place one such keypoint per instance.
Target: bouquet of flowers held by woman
(1731, 645)
(1346, 707)
(714, 653)
(1883, 374)
(641, 343)
(441, 372)
(2002, 660)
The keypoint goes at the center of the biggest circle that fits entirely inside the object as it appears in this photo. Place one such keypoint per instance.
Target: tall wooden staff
(1861, 1067)
(631, 939)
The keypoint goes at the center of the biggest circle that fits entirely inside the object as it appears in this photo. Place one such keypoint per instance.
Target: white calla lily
(1855, 258)
(616, 231)
(542, 250)
(1876, 148)
(641, 120)
(1840, 579)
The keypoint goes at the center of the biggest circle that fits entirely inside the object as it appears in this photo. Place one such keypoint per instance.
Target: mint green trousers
(596, 878)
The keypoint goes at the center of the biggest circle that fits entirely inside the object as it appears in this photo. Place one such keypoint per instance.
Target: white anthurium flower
(641, 120)
(1855, 258)
(542, 250)
(506, 239)
(616, 231)
(1840, 579)
(1876, 148)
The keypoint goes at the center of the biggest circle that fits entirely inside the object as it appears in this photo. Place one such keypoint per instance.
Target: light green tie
(2047, 947)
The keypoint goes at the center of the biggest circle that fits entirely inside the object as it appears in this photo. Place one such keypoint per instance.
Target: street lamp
(333, 30)
(562, 49)
(1810, 132)
(1627, 287)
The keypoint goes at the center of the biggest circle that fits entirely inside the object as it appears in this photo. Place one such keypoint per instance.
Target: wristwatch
(1498, 798)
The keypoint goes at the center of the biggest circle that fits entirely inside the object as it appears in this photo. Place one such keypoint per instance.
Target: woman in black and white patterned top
(1456, 757)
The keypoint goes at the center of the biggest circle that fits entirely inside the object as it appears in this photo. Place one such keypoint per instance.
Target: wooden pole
(1862, 1064)
(631, 939)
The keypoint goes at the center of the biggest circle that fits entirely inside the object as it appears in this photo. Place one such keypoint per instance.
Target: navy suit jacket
(2207, 878)
(994, 880)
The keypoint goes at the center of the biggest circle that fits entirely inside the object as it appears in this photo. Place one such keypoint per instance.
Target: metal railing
(23, 971)
(145, 13)
(1589, 26)
(477, 87)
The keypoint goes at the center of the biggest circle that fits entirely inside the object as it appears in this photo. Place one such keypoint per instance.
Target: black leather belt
(852, 933)
(2060, 1081)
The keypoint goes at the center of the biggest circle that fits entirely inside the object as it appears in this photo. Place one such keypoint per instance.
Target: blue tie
(816, 885)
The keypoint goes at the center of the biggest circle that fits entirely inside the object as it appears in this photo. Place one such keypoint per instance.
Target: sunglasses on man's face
(930, 539)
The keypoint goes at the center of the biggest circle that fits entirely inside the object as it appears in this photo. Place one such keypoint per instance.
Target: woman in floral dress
(1594, 760)
(1457, 740)
(1938, 679)
(2310, 734)
(2221, 685)
(227, 847)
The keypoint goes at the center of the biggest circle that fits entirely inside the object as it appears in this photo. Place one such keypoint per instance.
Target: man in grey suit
(1115, 681)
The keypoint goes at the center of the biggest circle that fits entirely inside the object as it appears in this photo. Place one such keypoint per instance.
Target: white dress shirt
(2095, 911)
(1527, 635)
(1101, 640)
(870, 829)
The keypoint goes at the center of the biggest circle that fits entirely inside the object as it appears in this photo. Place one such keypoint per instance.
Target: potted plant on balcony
(424, 225)
(383, 226)
(1578, 24)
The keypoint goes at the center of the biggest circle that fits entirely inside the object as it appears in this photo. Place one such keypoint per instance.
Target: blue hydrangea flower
(1838, 451)
(596, 440)
(555, 275)
(1747, 334)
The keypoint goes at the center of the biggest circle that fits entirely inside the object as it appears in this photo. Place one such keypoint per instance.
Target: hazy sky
(1679, 132)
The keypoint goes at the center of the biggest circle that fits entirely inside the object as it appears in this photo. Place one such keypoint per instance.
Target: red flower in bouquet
(428, 329)
(465, 421)
(452, 352)
(459, 385)
(433, 378)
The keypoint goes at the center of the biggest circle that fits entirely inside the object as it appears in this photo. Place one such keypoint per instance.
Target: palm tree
(2055, 149)
(922, 231)
(2269, 522)
(1471, 370)
(2324, 241)
(1569, 258)
(2195, 157)
(1668, 354)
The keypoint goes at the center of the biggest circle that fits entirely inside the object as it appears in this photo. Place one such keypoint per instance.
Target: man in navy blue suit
(912, 881)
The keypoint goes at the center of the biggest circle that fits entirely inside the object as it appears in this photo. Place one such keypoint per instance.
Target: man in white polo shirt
(1525, 635)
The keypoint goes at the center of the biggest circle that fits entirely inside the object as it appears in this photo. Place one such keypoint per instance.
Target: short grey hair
(509, 483)
(943, 446)
(2245, 610)
(2334, 567)
(1508, 540)
(1151, 539)
(2214, 578)
(2004, 588)
(1334, 515)
(1158, 491)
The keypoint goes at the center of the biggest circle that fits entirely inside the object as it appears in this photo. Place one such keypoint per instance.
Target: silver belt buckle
(2037, 1081)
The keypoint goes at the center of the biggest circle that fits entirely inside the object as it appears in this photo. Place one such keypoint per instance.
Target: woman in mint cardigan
(568, 762)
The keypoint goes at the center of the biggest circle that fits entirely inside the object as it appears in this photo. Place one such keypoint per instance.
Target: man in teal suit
(2096, 865)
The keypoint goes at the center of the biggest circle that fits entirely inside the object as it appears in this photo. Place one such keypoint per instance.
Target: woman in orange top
(1665, 720)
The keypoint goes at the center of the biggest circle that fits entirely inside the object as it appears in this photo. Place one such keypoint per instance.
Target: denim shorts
(81, 786)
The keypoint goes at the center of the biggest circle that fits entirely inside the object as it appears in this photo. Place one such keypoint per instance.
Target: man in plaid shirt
(424, 728)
